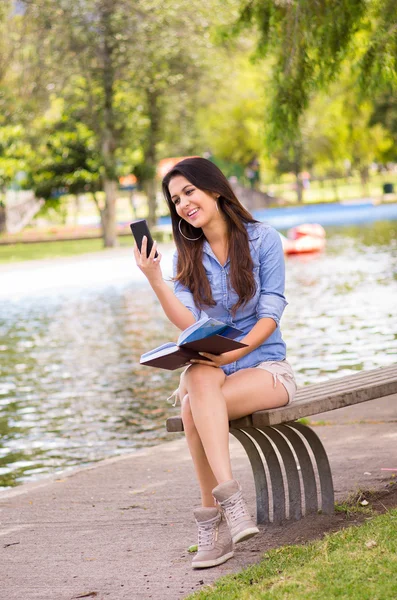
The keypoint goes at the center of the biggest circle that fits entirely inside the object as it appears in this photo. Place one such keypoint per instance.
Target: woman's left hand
(215, 360)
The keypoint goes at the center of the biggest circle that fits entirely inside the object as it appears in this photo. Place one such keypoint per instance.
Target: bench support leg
(284, 449)
(261, 488)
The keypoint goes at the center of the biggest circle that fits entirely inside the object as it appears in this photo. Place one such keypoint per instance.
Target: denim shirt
(268, 301)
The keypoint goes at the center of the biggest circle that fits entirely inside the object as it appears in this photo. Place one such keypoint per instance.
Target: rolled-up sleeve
(272, 277)
(183, 293)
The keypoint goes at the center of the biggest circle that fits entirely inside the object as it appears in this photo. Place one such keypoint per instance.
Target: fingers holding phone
(148, 264)
(140, 230)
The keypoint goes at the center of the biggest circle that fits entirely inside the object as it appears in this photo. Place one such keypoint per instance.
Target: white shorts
(281, 371)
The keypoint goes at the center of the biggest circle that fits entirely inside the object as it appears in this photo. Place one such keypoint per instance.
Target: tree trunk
(364, 176)
(299, 188)
(298, 167)
(150, 191)
(108, 216)
(109, 140)
(77, 205)
(2, 218)
(151, 155)
(334, 183)
(132, 204)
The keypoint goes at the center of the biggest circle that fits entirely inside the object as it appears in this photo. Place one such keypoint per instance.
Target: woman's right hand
(149, 265)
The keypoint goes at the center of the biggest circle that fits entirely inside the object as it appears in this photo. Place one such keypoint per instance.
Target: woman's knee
(201, 375)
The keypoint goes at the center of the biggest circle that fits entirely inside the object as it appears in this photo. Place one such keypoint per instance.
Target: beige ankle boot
(214, 542)
(230, 498)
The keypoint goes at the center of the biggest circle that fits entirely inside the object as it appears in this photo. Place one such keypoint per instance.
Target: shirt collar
(253, 231)
(208, 250)
(253, 234)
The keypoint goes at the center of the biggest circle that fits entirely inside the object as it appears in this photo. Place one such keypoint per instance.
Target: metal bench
(290, 466)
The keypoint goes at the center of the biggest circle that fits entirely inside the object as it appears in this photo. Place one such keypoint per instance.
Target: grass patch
(358, 503)
(34, 251)
(303, 421)
(358, 563)
(21, 251)
(309, 423)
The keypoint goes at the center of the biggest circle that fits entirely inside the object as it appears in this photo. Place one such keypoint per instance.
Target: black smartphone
(139, 229)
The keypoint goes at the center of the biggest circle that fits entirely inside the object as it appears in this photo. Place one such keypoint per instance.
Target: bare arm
(258, 334)
(176, 312)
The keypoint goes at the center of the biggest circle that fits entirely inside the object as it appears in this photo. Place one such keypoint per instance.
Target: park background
(294, 100)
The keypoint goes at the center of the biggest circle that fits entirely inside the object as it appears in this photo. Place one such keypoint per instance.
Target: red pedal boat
(309, 237)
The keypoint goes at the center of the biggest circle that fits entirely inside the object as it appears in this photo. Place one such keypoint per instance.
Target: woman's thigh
(249, 390)
(246, 391)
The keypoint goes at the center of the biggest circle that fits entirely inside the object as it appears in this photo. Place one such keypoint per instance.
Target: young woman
(230, 267)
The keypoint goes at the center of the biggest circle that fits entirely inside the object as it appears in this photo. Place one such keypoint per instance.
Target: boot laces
(235, 508)
(207, 533)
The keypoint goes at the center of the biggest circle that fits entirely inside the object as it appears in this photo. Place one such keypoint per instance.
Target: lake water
(71, 332)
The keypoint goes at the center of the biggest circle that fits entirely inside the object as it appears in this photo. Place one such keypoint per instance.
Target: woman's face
(193, 205)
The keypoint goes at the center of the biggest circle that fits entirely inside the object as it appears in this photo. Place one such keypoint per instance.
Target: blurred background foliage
(91, 90)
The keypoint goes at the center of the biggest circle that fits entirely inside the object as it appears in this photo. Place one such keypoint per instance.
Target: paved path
(120, 529)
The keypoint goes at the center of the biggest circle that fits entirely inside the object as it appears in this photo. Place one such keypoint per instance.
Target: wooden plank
(321, 397)
(388, 388)
(353, 380)
(297, 410)
(382, 375)
(174, 424)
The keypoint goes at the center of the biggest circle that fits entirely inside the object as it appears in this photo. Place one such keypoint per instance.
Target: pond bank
(121, 528)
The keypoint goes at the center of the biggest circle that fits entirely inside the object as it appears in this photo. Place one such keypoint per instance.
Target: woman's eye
(189, 192)
(176, 201)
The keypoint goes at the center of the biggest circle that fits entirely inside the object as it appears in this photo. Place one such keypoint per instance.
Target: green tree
(384, 113)
(127, 59)
(230, 118)
(308, 43)
(176, 46)
(85, 49)
(66, 155)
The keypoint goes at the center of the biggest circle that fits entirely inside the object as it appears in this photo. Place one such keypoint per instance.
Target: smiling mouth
(192, 212)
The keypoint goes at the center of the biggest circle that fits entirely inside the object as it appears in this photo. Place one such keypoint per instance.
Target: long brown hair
(206, 176)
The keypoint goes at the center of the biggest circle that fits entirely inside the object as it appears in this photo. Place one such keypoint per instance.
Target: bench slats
(384, 375)
(323, 397)
(320, 397)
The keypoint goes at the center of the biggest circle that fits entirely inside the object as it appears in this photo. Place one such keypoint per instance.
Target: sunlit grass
(358, 563)
(333, 191)
(33, 251)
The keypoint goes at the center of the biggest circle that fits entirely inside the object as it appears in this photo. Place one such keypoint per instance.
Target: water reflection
(71, 387)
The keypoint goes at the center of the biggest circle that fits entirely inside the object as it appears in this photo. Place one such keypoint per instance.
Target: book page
(164, 349)
(203, 328)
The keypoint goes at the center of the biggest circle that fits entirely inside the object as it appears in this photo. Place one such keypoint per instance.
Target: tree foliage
(308, 43)
(94, 89)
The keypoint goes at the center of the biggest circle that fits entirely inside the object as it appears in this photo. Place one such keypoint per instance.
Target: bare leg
(240, 394)
(209, 411)
(205, 476)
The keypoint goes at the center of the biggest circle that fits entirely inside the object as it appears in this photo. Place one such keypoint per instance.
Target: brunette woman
(230, 267)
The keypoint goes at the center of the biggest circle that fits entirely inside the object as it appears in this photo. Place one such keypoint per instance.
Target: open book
(206, 335)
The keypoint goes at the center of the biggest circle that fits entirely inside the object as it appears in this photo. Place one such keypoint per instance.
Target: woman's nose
(184, 201)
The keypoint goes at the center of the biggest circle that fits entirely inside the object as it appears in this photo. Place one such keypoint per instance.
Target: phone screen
(139, 229)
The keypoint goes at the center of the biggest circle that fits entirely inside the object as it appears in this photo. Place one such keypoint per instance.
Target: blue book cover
(206, 327)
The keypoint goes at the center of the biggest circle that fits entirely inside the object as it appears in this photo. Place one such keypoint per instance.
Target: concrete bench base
(291, 469)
